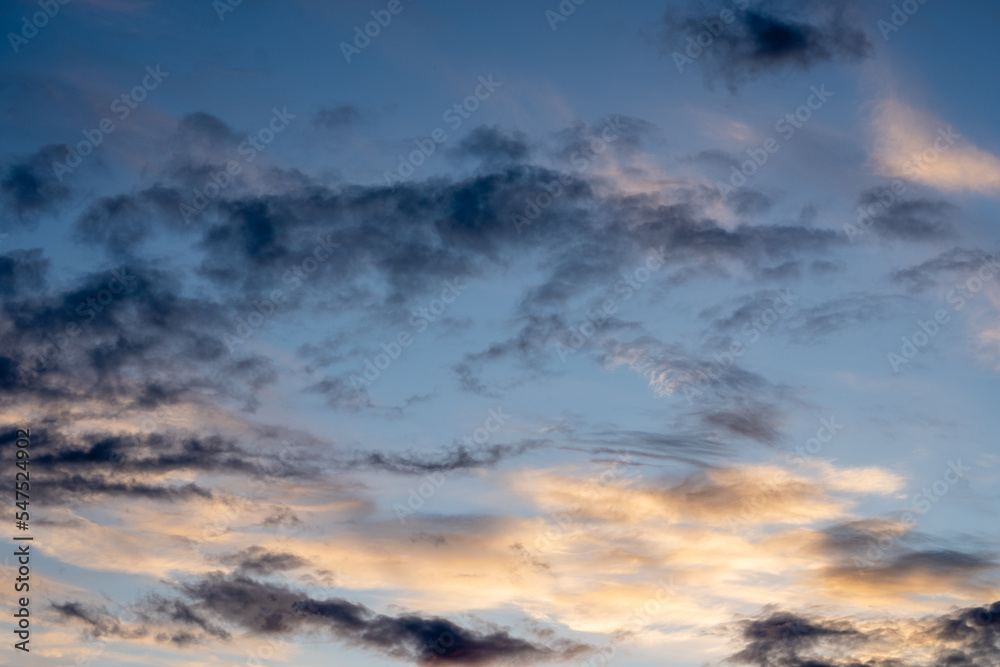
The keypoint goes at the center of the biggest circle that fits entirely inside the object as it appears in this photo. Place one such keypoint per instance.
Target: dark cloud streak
(219, 601)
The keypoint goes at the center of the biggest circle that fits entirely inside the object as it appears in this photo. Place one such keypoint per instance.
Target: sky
(524, 333)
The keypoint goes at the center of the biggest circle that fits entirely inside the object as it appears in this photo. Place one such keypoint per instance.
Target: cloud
(122, 222)
(956, 263)
(78, 465)
(29, 186)
(964, 638)
(256, 235)
(715, 497)
(885, 561)
(492, 145)
(731, 528)
(764, 37)
(670, 369)
(266, 608)
(266, 224)
(96, 487)
(456, 457)
(163, 619)
(812, 324)
(748, 418)
(205, 131)
(90, 335)
(158, 345)
(630, 132)
(258, 560)
(340, 394)
(892, 576)
(912, 144)
(910, 220)
(154, 433)
(745, 308)
(23, 271)
(777, 640)
(98, 620)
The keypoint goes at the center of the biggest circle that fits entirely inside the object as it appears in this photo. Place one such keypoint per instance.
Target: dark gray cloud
(717, 159)
(462, 229)
(23, 271)
(246, 244)
(147, 453)
(909, 219)
(29, 187)
(343, 395)
(778, 640)
(608, 442)
(956, 263)
(96, 488)
(166, 620)
(970, 637)
(813, 324)
(455, 457)
(216, 602)
(767, 36)
(853, 538)
(104, 333)
(887, 556)
(122, 222)
(597, 261)
(786, 272)
(431, 640)
(493, 145)
(270, 608)
(747, 417)
(281, 516)
(89, 467)
(747, 201)
(875, 567)
(98, 620)
(579, 145)
(941, 561)
(967, 637)
(429, 538)
(728, 318)
(163, 610)
(824, 267)
(258, 560)
(204, 129)
(531, 347)
(696, 375)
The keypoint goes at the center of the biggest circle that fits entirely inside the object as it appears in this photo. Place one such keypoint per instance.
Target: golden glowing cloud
(913, 145)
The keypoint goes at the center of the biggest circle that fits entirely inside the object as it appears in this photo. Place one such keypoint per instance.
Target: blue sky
(641, 364)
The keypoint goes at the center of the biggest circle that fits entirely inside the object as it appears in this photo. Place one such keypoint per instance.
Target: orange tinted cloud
(913, 145)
